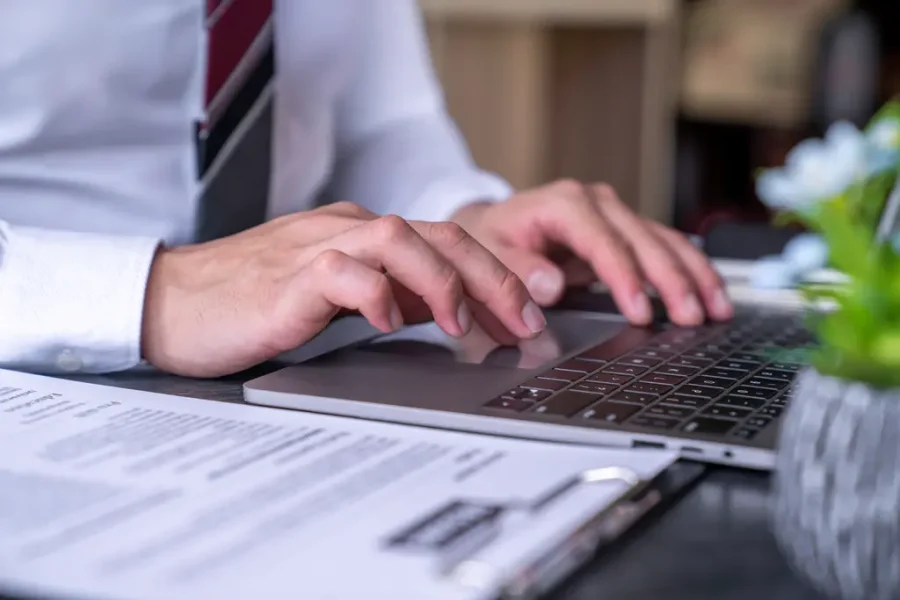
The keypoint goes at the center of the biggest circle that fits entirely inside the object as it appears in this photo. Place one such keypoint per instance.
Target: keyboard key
(765, 382)
(667, 346)
(745, 433)
(567, 404)
(649, 388)
(662, 379)
(529, 394)
(678, 371)
(754, 392)
(594, 388)
(665, 410)
(775, 374)
(703, 355)
(748, 357)
(742, 402)
(689, 401)
(716, 382)
(640, 361)
(578, 366)
(758, 422)
(652, 422)
(612, 412)
(699, 390)
(605, 377)
(561, 375)
(729, 374)
(771, 411)
(737, 365)
(656, 353)
(509, 404)
(634, 398)
(632, 370)
(545, 384)
(784, 366)
(694, 363)
(727, 412)
(708, 426)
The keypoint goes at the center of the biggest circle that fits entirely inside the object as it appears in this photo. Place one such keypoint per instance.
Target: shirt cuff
(443, 198)
(71, 302)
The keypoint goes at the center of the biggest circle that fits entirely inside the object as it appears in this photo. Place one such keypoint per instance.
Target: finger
(708, 282)
(662, 268)
(331, 282)
(576, 223)
(544, 280)
(346, 209)
(485, 278)
(389, 244)
(492, 326)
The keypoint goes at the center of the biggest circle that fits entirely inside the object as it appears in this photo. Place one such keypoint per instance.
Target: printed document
(115, 494)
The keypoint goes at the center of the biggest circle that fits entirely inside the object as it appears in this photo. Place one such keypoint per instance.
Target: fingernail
(544, 286)
(640, 309)
(690, 310)
(721, 305)
(533, 317)
(464, 318)
(396, 317)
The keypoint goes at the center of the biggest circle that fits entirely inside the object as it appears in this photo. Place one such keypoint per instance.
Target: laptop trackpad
(397, 368)
(565, 334)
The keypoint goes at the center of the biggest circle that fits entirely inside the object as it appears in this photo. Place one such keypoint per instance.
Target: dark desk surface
(714, 543)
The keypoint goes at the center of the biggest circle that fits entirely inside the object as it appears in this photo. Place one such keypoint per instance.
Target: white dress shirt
(97, 150)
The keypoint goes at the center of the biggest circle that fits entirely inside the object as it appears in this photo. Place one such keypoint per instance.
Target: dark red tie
(235, 55)
(240, 65)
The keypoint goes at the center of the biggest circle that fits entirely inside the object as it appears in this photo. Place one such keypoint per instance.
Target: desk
(714, 543)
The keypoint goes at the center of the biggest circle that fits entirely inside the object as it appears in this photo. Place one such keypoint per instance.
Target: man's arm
(71, 302)
(398, 150)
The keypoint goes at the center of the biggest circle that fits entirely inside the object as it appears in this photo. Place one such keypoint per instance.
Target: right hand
(217, 308)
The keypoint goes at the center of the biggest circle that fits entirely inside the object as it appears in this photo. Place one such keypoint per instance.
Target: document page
(115, 494)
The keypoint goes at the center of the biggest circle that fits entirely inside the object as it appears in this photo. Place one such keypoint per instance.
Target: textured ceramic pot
(836, 496)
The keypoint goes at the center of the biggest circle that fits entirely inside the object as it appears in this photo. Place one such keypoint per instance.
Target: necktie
(240, 63)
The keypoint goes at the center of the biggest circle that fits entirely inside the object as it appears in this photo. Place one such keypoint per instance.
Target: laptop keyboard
(717, 380)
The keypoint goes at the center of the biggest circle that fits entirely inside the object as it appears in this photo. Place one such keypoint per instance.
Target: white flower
(805, 253)
(884, 145)
(816, 170)
(772, 273)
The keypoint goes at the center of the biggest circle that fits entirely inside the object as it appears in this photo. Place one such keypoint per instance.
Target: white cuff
(71, 302)
(443, 198)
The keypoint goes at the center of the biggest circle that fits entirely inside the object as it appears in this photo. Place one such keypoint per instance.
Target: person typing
(99, 267)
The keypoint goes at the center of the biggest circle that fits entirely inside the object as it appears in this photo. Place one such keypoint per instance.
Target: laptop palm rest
(422, 367)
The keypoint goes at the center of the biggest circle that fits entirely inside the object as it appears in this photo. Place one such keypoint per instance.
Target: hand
(567, 233)
(217, 308)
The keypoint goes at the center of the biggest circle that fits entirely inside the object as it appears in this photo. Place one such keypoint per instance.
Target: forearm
(71, 302)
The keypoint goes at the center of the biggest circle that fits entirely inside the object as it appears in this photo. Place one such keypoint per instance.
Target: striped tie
(240, 41)
(240, 65)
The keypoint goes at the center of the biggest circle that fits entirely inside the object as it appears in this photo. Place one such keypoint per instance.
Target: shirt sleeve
(71, 302)
(398, 151)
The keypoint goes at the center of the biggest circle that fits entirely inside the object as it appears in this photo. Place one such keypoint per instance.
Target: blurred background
(674, 102)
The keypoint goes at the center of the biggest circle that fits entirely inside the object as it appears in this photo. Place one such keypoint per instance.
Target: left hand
(567, 233)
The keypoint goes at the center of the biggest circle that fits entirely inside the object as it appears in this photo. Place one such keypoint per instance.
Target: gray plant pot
(836, 496)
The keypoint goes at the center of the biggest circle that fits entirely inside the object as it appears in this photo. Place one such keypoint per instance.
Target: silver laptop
(714, 392)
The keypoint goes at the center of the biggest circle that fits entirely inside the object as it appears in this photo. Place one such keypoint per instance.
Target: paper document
(108, 493)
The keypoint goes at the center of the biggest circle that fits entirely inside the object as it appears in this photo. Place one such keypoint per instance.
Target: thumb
(545, 281)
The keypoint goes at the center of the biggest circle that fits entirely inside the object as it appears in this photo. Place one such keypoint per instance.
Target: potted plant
(836, 486)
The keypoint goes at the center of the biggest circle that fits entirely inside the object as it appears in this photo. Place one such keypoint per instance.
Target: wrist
(159, 288)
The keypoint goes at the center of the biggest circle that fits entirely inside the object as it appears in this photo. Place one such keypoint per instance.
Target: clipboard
(476, 526)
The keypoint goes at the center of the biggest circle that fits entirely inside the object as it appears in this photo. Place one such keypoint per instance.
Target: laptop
(715, 392)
